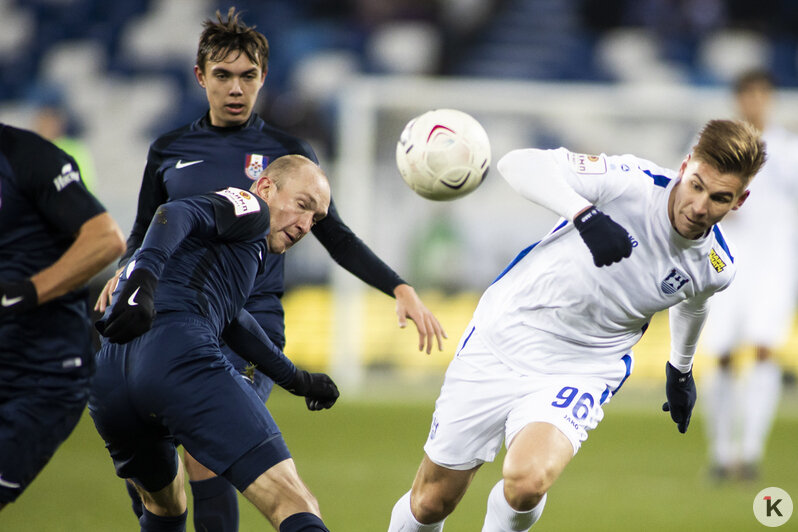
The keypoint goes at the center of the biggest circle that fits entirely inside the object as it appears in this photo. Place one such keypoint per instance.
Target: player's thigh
(535, 458)
(33, 424)
(573, 404)
(205, 403)
(475, 399)
(141, 448)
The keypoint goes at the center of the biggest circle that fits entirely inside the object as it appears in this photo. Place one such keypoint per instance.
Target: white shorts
(484, 402)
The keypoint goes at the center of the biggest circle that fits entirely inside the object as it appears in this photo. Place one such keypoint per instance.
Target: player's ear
(264, 186)
(741, 200)
(684, 165)
(200, 75)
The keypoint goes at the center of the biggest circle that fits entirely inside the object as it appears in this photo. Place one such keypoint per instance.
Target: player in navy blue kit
(54, 237)
(229, 146)
(161, 376)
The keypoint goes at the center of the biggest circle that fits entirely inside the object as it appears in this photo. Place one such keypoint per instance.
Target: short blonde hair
(731, 147)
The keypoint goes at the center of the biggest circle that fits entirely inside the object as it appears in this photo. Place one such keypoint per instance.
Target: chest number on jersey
(583, 405)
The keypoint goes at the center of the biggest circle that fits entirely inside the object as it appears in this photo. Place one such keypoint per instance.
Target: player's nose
(305, 222)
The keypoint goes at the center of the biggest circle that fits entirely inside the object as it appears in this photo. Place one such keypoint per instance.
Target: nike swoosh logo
(180, 164)
(132, 299)
(10, 302)
(7, 484)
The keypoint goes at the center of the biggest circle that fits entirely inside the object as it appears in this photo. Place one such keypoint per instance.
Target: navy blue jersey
(43, 204)
(206, 252)
(200, 158)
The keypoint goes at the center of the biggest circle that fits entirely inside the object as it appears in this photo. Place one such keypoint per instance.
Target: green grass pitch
(635, 473)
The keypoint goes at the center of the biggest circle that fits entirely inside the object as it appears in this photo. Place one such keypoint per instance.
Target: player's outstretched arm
(246, 337)
(356, 257)
(537, 176)
(98, 243)
(409, 305)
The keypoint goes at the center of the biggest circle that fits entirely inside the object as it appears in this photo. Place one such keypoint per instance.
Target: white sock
(403, 520)
(719, 408)
(761, 389)
(501, 517)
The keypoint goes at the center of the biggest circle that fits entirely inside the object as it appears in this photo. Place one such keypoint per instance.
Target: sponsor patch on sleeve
(243, 202)
(583, 163)
(716, 261)
(68, 175)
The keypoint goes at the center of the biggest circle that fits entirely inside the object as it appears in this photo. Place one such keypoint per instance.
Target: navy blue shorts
(33, 423)
(273, 324)
(173, 384)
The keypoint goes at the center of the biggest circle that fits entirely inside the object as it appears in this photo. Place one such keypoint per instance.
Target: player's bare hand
(104, 301)
(409, 305)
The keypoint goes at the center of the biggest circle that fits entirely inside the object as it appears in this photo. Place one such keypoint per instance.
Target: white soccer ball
(443, 154)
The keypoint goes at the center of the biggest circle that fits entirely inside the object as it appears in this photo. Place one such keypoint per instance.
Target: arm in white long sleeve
(536, 175)
(686, 321)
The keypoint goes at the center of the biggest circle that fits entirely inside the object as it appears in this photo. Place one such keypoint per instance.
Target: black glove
(318, 389)
(133, 311)
(681, 394)
(607, 241)
(16, 298)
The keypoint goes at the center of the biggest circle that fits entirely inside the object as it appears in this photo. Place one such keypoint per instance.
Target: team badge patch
(243, 202)
(254, 165)
(716, 261)
(674, 281)
(583, 163)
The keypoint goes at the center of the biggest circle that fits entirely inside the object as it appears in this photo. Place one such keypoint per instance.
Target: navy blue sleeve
(51, 180)
(151, 195)
(353, 254)
(217, 216)
(247, 339)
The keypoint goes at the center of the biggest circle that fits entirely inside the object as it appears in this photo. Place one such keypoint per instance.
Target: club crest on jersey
(674, 281)
(583, 163)
(716, 261)
(254, 165)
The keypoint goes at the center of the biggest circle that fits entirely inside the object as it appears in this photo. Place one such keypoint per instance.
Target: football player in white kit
(758, 309)
(550, 340)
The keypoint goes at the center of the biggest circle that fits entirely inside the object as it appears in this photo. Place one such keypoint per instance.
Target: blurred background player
(229, 146)
(536, 375)
(54, 237)
(161, 376)
(53, 120)
(759, 307)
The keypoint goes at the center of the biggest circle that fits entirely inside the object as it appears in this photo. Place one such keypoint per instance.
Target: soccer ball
(443, 154)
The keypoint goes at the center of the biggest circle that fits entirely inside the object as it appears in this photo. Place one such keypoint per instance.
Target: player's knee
(524, 490)
(430, 506)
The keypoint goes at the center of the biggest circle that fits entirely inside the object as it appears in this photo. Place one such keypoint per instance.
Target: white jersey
(553, 311)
